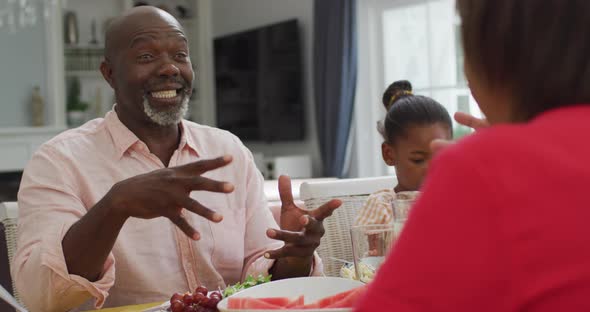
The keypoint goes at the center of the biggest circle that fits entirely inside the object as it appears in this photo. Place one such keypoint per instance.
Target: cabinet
(18, 140)
(17, 145)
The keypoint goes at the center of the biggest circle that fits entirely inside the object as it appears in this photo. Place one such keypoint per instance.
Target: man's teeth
(168, 94)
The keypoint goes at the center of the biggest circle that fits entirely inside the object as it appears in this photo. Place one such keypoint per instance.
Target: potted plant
(76, 108)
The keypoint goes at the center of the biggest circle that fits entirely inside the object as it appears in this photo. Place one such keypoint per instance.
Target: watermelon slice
(332, 299)
(295, 302)
(350, 300)
(276, 303)
(345, 299)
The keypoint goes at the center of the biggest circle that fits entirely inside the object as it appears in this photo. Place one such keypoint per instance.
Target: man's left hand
(301, 229)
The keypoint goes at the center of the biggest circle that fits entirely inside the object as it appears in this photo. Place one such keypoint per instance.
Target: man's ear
(107, 72)
(388, 153)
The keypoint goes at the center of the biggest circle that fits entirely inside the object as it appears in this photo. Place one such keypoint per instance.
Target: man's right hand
(464, 119)
(166, 193)
(161, 193)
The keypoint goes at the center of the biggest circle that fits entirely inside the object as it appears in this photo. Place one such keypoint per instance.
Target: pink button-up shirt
(151, 259)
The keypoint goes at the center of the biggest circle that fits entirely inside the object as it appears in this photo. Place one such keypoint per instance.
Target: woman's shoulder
(491, 154)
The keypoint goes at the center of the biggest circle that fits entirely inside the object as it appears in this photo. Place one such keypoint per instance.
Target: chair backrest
(336, 243)
(9, 220)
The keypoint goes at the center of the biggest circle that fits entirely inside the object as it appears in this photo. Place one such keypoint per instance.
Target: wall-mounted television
(259, 83)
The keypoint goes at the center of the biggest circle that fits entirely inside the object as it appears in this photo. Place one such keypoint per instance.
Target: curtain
(335, 74)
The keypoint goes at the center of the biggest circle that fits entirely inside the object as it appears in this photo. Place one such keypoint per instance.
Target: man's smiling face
(151, 72)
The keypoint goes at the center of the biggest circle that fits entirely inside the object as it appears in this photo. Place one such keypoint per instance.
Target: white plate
(312, 288)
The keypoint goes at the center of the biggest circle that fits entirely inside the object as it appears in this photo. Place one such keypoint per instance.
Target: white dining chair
(336, 246)
(9, 219)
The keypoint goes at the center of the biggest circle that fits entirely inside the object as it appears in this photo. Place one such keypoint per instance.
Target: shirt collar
(124, 138)
(186, 138)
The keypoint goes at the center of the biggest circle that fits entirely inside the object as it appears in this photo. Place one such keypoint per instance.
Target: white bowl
(312, 288)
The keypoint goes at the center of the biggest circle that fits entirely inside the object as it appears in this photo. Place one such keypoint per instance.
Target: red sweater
(503, 224)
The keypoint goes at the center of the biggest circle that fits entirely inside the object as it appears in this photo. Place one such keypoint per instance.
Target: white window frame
(366, 160)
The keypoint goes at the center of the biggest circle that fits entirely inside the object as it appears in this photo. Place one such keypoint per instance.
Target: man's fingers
(325, 210)
(200, 183)
(470, 121)
(313, 227)
(185, 227)
(285, 236)
(202, 166)
(276, 254)
(196, 207)
(289, 251)
(285, 190)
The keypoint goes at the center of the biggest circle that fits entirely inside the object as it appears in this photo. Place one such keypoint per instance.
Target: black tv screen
(258, 76)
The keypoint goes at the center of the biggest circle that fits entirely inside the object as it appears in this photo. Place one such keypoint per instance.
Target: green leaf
(248, 282)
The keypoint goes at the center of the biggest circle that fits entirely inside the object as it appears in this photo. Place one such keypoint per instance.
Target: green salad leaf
(248, 282)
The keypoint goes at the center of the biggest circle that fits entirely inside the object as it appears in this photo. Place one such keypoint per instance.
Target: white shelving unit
(198, 30)
(18, 143)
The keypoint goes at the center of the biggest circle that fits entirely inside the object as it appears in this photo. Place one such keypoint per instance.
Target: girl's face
(411, 154)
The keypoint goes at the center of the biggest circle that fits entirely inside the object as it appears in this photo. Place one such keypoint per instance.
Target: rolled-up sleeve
(259, 219)
(48, 206)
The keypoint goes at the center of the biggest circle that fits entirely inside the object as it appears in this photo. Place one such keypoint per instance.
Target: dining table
(133, 308)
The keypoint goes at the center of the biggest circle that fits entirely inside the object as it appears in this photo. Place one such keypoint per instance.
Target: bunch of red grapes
(197, 301)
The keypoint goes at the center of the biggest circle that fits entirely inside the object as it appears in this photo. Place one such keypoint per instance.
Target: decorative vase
(71, 35)
(37, 108)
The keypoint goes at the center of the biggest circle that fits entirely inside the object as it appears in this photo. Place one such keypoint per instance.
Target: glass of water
(401, 205)
(370, 246)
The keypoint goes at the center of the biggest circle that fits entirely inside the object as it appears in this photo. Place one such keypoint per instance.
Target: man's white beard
(168, 117)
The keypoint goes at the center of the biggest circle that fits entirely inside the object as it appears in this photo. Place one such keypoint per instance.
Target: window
(422, 43)
(417, 40)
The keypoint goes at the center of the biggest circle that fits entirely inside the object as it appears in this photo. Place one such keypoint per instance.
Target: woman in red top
(503, 221)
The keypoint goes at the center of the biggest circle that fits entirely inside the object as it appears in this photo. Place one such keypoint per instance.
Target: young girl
(411, 123)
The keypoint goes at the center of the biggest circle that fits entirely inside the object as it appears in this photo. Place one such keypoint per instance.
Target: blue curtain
(335, 73)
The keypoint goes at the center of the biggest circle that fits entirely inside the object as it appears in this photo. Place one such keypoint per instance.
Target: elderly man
(91, 199)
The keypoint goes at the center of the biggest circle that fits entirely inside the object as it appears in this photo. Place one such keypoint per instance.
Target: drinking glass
(370, 246)
(401, 206)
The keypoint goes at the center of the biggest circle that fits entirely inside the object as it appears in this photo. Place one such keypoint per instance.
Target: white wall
(230, 16)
